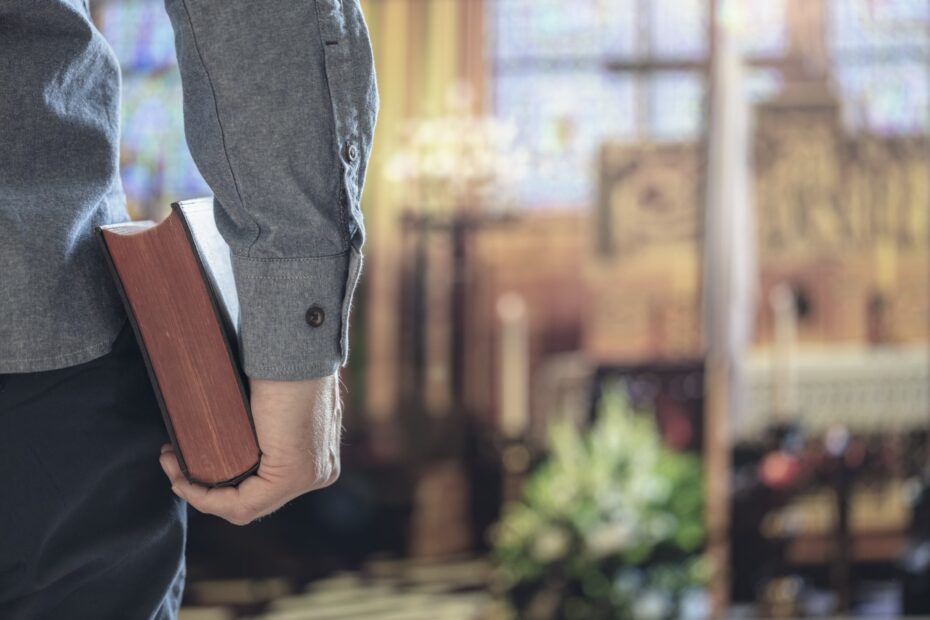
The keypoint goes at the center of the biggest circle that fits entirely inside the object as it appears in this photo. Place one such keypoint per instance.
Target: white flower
(662, 525)
(628, 581)
(607, 538)
(652, 605)
(694, 604)
(551, 544)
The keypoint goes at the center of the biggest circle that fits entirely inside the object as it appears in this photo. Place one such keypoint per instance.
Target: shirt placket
(337, 50)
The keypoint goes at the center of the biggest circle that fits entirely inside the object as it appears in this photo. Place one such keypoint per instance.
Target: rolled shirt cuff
(294, 314)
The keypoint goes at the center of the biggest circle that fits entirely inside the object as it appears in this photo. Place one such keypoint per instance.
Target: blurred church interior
(537, 208)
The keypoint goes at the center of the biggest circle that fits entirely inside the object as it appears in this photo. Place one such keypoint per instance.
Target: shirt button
(315, 316)
(351, 151)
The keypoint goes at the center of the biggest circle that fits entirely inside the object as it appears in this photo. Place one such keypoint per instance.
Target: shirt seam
(309, 366)
(288, 278)
(219, 122)
(60, 357)
(291, 258)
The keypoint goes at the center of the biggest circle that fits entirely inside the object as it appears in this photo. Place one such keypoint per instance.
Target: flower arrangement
(611, 525)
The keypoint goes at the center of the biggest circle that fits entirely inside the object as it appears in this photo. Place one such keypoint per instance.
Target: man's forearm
(280, 104)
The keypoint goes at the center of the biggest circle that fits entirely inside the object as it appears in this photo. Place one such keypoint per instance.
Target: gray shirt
(280, 105)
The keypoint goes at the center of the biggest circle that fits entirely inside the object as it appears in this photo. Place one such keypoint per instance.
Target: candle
(784, 381)
(514, 356)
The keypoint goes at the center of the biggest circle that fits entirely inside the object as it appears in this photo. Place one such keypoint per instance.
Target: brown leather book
(176, 281)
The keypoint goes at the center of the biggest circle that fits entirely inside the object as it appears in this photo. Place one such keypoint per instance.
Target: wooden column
(717, 458)
(472, 46)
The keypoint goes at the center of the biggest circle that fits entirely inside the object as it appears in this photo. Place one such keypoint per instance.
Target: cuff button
(351, 152)
(315, 316)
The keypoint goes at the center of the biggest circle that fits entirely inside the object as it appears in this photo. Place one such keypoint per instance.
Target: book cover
(176, 281)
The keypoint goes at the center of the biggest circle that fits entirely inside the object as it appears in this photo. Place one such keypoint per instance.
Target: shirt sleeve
(280, 104)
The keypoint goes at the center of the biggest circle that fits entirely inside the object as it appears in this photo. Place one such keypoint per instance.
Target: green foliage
(610, 525)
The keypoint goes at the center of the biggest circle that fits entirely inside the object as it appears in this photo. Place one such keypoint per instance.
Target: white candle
(784, 381)
(514, 358)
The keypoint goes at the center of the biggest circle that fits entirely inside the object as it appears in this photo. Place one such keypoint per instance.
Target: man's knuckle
(241, 515)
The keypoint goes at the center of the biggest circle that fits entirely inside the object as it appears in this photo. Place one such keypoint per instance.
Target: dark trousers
(89, 527)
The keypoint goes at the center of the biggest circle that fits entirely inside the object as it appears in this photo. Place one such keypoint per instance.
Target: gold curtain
(421, 48)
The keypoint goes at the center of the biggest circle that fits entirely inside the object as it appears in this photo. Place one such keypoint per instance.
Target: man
(280, 104)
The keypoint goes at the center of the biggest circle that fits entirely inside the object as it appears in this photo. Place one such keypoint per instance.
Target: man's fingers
(169, 463)
(222, 502)
(212, 501)
(253, 498)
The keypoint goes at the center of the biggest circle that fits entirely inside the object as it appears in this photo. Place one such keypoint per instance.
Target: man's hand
(299, 425)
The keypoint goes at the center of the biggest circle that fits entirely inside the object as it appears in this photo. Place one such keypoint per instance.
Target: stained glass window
(573, 74)
(676, 105)
(764, 31)
(156, 165)
(889, 98)
(544, 28)
(566, 73)
(880, 51)
(678, 28)
(565, 114)
(879, 28)
(139, 32)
